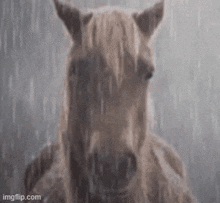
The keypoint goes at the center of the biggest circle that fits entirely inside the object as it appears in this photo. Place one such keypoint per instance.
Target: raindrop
(5, 41)
(4, 10)
(31, 98)
(26, 158)
(37, 135)
(53, 106)
(22, 10)
(161, 117)
(0, 41)
(19, 131)
(173, 92)
(13, 110)
(17, 70)
(10, 82)
(12, 10)
(13, 37)
(33, 16)
(21, 38)
(53, 58)
(15, 174)
(44, 107)
(47, 62)
(215, 123)
(210, 81)
(196, 126)
(15, 181)
(199, 16)
(32, 157)
(1, 126)
(199, 63)
(48, 137)
(6, 173)
(191, 110)
(12, 144)
(171, 24)
(4, 148)
(198, 71)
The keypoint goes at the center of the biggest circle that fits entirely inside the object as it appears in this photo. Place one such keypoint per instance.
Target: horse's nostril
(127, 167)
(123, 168)
(113, 172)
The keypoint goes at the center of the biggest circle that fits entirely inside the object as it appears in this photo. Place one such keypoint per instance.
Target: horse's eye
(145, 69)
(148, 76)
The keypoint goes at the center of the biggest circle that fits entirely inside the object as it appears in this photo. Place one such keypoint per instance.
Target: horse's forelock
(115, 33)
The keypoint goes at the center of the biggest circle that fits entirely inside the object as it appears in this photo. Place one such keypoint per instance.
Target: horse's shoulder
(50, 186)
(172, 172)
(169, 155)
(39, 166)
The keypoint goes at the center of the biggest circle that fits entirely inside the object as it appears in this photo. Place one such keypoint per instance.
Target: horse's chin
(110, 195)
(97, 190)
(113, 196)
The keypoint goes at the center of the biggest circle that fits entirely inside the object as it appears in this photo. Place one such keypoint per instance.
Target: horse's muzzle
(112, 172)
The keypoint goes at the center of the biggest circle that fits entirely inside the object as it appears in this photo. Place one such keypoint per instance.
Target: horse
(105, 151)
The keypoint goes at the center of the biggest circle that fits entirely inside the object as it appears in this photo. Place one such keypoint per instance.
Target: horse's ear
(72, 18)
(149, 19)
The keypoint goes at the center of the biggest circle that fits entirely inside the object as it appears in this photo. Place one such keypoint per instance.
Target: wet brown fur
(116, 37)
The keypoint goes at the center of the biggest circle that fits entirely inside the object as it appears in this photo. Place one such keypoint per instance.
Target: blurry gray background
(185, 89)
